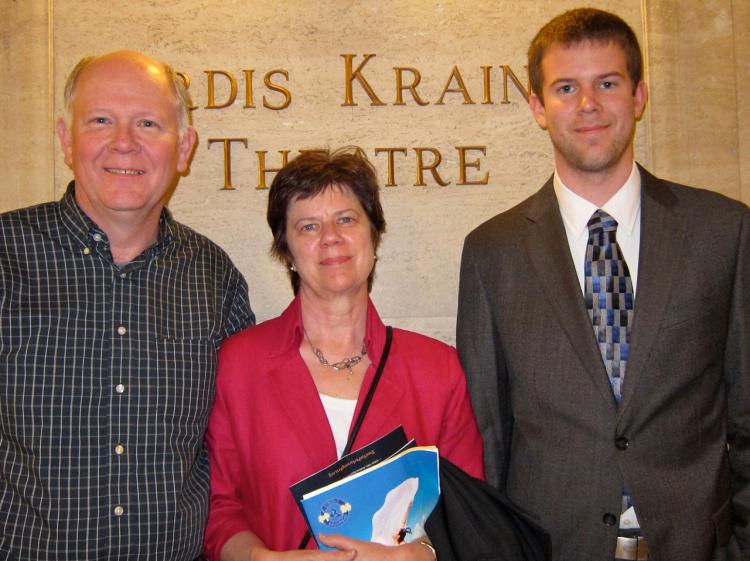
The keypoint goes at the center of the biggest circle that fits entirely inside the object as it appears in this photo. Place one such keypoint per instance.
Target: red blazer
(268, 428)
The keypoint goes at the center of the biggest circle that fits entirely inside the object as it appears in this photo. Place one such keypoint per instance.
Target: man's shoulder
(40, 220)
(31, 215)
(703, 203)
(187, 237)
(505, 225)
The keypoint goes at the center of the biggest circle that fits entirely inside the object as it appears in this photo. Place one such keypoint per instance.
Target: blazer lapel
(301, 408)
(546, 245)
(380, 418)
(662, 234)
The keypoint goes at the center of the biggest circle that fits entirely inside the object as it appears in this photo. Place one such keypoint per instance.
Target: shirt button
(121, 330)
(86, 251)
(120, 388)
(622, 443)
(119, 449)
(119, 510)
(123, 275)
(97, 237)
(609, 519)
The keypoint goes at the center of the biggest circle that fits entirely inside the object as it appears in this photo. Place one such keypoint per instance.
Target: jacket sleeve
(237, 311)
(460, 441)
(225, 517)
(481, 355)
(737, 375)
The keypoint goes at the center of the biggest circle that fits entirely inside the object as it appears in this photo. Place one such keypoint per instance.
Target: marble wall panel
(694, 114)
(740, 20)
(26, 143)
(418, 267)
(417, 278)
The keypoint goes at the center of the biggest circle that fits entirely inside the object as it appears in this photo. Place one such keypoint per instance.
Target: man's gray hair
(177, 86)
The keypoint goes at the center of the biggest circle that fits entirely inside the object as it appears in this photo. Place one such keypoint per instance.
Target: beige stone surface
(695, 55)
(26, 146)
(417, 278)
(694, 88)
(740, 23)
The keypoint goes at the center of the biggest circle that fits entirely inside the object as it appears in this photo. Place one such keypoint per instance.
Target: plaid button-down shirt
(106, 382)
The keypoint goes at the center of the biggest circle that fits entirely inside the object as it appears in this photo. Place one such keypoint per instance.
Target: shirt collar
(88, 233)
(623, 206)
(293, 330)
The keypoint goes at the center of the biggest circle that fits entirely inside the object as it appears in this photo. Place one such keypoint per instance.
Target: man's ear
(640, 98)
(185, 149)
(537, 110)
(66, 140)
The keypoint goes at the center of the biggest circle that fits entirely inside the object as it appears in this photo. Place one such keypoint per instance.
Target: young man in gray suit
(604, 325)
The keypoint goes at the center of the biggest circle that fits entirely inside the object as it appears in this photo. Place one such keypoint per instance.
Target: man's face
(590, 107)
(123, 140)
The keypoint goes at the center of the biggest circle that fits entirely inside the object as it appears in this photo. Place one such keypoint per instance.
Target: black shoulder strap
(370, 392)
(365, 407)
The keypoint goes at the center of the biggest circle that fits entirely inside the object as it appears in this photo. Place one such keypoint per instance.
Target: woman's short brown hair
(308, 175)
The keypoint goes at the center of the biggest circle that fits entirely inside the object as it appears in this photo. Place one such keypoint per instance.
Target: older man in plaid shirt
(110, 317)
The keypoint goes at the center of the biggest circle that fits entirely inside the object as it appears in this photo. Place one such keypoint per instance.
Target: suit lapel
(662, 235)
(546, 245)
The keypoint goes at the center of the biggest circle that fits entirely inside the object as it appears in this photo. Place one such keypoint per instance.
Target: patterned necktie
(609, 297)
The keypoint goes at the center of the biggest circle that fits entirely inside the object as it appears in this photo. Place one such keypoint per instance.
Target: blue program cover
(387, 503)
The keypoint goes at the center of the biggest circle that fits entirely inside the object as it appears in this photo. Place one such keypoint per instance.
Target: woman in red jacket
(288, 389)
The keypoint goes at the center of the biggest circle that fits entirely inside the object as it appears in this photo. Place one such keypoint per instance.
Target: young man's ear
(537, 110)
(641, 99)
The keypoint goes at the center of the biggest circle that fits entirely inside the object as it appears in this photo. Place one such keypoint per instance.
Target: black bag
(473, 521)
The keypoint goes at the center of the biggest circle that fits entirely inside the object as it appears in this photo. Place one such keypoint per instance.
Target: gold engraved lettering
(227, 159)
(249, 97)
(508, 73)
(456, 75)
(463, 164)
(350, 76)
(391, 181)
(263, 170)
(432, 167)
(211, 89)
(277, 88)
(486, 88)
(400, 87)
(186, 81)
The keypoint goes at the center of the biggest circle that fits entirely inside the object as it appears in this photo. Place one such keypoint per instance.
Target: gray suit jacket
(554, 437)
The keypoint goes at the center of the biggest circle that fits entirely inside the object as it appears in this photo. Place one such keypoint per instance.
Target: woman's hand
(263, 554)
(246, 546)
(368, 551)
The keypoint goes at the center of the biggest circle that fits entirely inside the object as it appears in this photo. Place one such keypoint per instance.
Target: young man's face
(590, 107)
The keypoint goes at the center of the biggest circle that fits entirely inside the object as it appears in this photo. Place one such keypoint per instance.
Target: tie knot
(601, 221)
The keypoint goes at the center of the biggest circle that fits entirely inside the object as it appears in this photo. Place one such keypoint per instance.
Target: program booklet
(381, 493)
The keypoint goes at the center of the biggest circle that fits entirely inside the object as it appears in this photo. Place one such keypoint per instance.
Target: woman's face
(330, 241)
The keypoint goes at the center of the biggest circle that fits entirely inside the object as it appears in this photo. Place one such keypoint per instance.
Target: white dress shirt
(340, 413)
(624, 206)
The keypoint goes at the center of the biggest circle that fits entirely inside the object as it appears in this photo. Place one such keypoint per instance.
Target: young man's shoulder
(504, 226)
(703, 204)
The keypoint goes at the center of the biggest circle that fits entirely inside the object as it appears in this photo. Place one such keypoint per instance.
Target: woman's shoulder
(262, 339)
